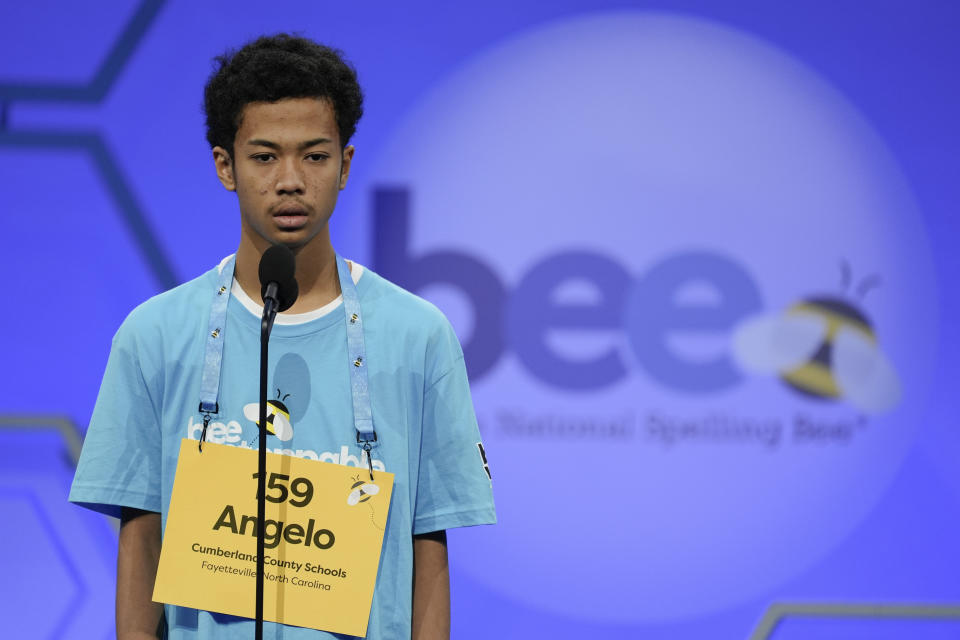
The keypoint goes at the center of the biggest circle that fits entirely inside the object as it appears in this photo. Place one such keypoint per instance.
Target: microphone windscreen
(278, 265)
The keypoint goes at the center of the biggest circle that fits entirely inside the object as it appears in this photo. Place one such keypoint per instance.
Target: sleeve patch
(483, 460)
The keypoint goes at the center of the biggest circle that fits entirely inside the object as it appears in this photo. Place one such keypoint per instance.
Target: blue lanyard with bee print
(359, 387)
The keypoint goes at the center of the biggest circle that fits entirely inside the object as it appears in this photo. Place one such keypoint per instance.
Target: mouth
(290, 217)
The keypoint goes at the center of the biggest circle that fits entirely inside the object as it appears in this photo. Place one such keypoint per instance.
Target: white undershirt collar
(356, 270)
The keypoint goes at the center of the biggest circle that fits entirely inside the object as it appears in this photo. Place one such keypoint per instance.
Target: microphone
(278, 288)
(278, 284)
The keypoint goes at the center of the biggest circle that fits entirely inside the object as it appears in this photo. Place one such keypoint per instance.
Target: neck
(316, 272)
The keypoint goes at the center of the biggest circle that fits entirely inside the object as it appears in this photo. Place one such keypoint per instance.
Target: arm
(138, 617)
(431, 587)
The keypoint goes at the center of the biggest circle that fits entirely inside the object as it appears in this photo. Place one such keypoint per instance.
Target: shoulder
(387, 301)
(402, 320)
(168, 313)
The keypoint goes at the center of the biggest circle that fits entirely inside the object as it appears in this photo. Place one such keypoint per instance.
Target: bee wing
(353, 498)
(282, 427)
(864, 374)
(769, 344)
(252, 411)
(371, 489)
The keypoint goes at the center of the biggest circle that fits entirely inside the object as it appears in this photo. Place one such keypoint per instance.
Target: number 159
(299, 493)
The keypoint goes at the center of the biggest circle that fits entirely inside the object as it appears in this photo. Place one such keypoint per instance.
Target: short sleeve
(454, 488)
(120, 464)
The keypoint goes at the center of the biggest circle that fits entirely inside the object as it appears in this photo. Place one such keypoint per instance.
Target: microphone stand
(270, 305)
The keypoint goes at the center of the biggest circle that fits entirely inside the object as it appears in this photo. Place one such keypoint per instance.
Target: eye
(317, 157)
(262, 157)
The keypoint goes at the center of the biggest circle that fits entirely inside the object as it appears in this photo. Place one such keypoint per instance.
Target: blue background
(108, 196)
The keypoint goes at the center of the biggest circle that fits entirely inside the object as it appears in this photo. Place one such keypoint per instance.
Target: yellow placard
(324, 530)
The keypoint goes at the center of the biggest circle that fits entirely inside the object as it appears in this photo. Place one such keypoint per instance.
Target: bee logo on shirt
(278, 417)
(823, 347)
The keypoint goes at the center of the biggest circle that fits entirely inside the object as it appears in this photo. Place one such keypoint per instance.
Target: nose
(289, 177)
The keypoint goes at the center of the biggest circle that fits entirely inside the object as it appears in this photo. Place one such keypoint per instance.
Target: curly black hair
(272, 68)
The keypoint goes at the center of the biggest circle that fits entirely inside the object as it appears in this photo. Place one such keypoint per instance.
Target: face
(287, 169)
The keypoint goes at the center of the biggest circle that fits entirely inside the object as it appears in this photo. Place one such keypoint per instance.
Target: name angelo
(274, 532)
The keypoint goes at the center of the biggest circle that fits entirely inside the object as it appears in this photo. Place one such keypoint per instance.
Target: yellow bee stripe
(815, 378)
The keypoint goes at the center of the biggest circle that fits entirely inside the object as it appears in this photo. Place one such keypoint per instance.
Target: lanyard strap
(213, 354)
(359, 387)
(356, 350)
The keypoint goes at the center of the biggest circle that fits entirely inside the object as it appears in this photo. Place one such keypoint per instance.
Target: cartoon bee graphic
(360, 491)
(823, 347)
(278, 417)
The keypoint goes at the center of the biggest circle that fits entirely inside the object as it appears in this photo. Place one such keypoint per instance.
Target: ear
(345, 160)
(224, 165)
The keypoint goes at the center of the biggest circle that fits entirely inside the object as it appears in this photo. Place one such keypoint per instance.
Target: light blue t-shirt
(422, 410)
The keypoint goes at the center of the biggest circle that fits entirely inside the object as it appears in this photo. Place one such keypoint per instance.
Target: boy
(280, 115)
